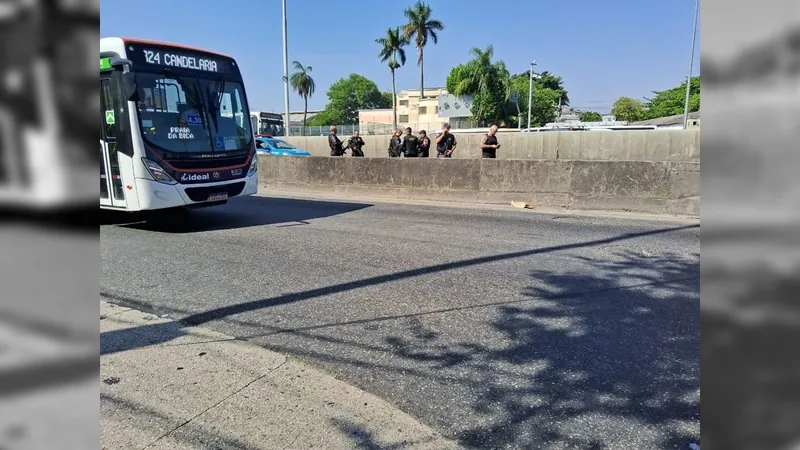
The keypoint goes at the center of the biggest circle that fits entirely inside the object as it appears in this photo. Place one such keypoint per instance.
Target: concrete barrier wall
(659, 187)
(657, 145)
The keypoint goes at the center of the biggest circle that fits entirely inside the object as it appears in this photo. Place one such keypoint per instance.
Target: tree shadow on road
(364, 439)
(606, 366)
(225, 312)
(237, 213)
(598, 358)
(590, 363)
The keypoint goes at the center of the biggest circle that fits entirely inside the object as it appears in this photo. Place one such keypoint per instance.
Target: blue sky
(603, 50)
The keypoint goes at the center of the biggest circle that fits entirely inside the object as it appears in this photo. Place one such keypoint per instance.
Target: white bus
(267, 124)
(175, 127)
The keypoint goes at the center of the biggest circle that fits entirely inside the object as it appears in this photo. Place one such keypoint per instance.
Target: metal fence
(321, 130)
(367, 129)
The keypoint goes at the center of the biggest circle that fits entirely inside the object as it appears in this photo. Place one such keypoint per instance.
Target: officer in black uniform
(396, 144)
(424, 144)
(334, 143)
(489, 143)
(410, 144)
(355, 143)
(445, 143)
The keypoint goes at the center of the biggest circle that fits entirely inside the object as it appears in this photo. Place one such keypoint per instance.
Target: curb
(166, 385)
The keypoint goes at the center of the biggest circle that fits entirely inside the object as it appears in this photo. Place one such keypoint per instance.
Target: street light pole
(285, 74)
(691, 63)
(530, 92)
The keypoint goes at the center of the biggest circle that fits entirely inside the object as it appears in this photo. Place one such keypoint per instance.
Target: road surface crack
(259, 378)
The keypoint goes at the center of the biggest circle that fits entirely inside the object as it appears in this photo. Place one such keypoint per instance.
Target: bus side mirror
(129, 85)
(128, 81)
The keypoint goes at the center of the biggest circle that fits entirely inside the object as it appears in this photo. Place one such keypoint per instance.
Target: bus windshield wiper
(194, 98)
(220, 92)
(215, 99)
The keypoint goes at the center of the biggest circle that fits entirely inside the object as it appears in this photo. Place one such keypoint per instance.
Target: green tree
(630, 109)
(321, 119)
(545, 107)
(590, 116)
(486, 81)
(546, 80)
(455, 78)
(544, 104)
(303, 84)
(388, 98)
(421, 26)
(346, 97)
(392, 51)
(671, 102)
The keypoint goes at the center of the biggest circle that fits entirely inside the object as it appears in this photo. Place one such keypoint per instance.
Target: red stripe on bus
(172, 44)
(162, 160)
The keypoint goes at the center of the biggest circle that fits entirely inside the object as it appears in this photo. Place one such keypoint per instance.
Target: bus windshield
(271, 127)
(184, 114)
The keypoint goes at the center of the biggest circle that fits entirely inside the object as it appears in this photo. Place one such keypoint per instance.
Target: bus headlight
(253, 166)
(158, 172)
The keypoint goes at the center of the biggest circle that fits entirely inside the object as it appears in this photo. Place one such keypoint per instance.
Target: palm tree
(421, 27)
(303, 84)
(480, 67)
(487, 81)
(392, 51)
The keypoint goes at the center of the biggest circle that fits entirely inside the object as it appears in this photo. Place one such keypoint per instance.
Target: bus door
(112, 184)
(254, 124)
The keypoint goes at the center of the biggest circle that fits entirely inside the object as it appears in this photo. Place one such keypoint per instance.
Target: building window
(436, 110)
(423, 110)
(403, 118)
(403, 102)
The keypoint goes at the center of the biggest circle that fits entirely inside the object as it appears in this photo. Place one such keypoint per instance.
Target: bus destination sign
(172, 59)
(181, 59)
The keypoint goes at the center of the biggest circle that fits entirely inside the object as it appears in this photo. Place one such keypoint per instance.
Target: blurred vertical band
(48, 100)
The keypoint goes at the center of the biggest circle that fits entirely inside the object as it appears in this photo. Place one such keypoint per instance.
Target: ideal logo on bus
(196, 177)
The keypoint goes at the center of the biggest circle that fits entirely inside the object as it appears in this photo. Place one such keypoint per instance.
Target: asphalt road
(499, 328)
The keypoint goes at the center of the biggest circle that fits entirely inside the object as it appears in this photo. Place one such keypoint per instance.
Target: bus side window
(115, 111)
(109, 112)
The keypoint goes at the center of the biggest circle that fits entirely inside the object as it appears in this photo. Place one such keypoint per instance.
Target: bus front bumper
(155, 195)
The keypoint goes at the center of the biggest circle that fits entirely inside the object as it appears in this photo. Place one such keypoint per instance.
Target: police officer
(396, 144)
(334, 143)
(445, 143)
(424, 144)
(355, 143)
(489, 143)
(410, 144)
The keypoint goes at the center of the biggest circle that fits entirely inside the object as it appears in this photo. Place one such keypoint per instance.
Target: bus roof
(172, 44)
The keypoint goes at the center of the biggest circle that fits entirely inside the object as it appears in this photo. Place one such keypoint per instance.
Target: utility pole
(285, 74)
(691, 63)
(530, 92)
